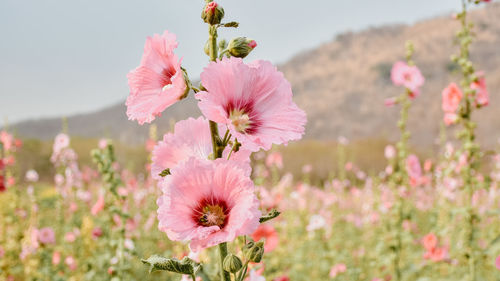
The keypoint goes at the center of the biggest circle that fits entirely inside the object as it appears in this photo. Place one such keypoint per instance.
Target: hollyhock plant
(158, 82)
(451, 97)
(253, 100)
(408, 76)
(482, 97)
(207, 203)
(191, 138)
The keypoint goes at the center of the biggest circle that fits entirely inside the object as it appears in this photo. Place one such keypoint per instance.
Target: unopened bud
(212, 13)
(254, 251)
(232, 263)
(240, 47)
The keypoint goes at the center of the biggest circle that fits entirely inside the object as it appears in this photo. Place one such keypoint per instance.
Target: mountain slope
(342, 86)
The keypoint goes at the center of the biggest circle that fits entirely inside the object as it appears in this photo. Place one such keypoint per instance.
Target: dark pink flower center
(243, 117)
(211, 212)
(166, 77)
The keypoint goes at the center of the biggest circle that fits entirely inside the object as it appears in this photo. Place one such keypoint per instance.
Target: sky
(64, 57)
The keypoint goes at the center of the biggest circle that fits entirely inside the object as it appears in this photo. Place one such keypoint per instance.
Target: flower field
(235, 194)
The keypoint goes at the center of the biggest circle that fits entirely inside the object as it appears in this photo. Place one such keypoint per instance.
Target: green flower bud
(254, 251)
(212, 13)
(232, 263)
(240, 47)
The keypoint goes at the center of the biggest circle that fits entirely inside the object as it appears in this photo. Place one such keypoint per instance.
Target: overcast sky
(62, 57)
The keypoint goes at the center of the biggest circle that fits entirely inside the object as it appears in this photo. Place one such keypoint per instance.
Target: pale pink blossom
(70, 262)
(61, 141)
(46, 235)
(31, 175)
(255, 276)
(207, 202)
(191, 138)
(336, 269)
(482, 95)
(413, 167)
(429, 241)
(2, 252)
(98, 206)
(408, 76)
(497, 262)
(103, 143)
(158, 82)
(56, 258)
(274, 159)
(389, 152)
(451, 97)
(7, 140)
(450, 118)
(253, 100)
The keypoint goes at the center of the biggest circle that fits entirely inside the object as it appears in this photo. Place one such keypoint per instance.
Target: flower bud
(240, 47)
(253, 251)
(212, 13)
(232, 263)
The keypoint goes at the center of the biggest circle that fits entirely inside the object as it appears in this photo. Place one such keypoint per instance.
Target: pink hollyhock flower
(389, 152)
(61, 142)
(158, 82)
(413, 167)
(408, 76)
(6, 139)
(336, 269)
(452, 95)
(390, 102)
(2, 252)
(497, 262)
(450, 118)
(437, 254)
(256, 276)
(32, 175)
(56, 258)
(269, 234)
(98, 206)
(207, 202)
(282, 278)
(429, 241)
(46, 235)
(274, 159)
(103, 143)
(70, 262)
(482, 95)
(70, 237)
(253, 100)
(96, 232)
(191, 138)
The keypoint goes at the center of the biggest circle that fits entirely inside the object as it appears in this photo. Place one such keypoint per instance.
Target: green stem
(224, 275)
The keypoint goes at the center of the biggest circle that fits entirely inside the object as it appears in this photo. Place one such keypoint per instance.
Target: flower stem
(224, 275)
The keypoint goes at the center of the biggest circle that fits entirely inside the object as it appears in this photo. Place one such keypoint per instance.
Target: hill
(342, 86)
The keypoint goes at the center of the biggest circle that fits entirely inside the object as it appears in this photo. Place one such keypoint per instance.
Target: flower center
(166, 78)
(212, 215)
(240, 120)
(407, 77)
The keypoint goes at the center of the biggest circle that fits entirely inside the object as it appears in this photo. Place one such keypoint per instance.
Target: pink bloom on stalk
(6, 139)
(70, 237)
(497, 262)
(336, 269)
(389, 152)
(70, 262)
(98, 206)
(56, 258)
(274, 159)
(96, 232)
(61, 141)
(253, 100)
(158, 82)
(2, 252)
(452, 95)
(429, 241)
(390, 102)
(408, 76)
(103, 143)
(413, 167)
(450, 118)
(269, 234)
(46, 235)
(191, 138)
(482, 95)
(207, 202)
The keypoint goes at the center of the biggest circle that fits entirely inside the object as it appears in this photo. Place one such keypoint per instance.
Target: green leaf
(184, 266)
